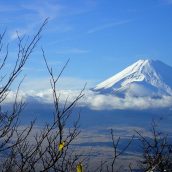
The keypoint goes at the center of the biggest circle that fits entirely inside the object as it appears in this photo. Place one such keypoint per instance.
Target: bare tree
(110, 165)
(157, 151)
(117, 151)
(49, 149)
(9, 121)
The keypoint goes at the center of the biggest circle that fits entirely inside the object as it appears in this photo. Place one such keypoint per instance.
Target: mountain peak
(144, 62)
(144, 77)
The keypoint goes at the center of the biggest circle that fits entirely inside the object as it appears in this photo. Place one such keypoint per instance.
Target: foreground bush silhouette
(50, 149)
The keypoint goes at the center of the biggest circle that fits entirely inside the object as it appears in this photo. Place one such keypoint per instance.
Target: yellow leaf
(61, 146)
(79, 168)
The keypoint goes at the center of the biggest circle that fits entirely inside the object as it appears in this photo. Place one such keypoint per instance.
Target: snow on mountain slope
(143, 78)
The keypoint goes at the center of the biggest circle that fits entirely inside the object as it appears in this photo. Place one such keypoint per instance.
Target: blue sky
(101, 37)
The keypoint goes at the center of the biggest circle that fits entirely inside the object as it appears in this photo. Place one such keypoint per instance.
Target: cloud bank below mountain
(96, 101)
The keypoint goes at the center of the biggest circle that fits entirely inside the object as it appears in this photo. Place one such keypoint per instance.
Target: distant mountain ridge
(143, 78)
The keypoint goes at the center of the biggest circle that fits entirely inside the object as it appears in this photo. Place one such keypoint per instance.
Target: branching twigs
(50, 149)
(58, 160)
(12, 136)
(111, 165)
(3, 59)
(9, 121)
(24, 51)
(117, 152)
(157, 154)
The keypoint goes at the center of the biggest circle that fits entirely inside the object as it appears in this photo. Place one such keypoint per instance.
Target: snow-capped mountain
(143, 78)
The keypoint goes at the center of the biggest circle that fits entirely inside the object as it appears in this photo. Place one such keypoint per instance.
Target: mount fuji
(143, 78)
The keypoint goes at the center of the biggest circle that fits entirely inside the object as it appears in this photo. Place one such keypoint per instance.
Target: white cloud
(72, 51)
(35, 13)
(108, 25)
(168, 2)
(18, 33)
(29, 14)
(9, 8)
(21, 31)
(101, 102)
(44, 9)
(98, 101)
